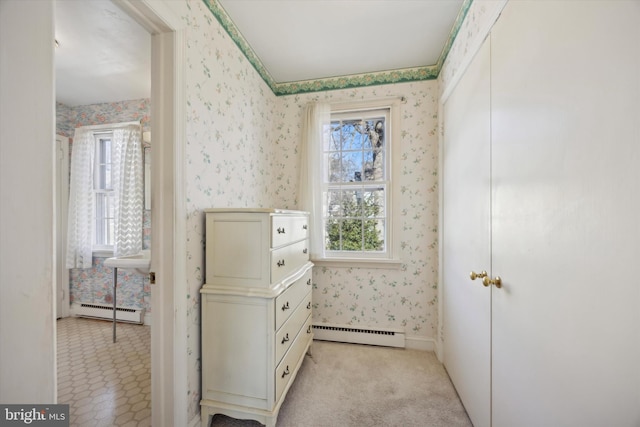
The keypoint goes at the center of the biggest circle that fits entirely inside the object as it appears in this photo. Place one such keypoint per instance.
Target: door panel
(566, 209)
(466, 243)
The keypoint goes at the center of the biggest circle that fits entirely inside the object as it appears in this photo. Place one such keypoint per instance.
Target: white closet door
(566, 209)
(466, 243)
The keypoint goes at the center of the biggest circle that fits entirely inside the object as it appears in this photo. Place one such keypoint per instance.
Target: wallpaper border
(429, 72)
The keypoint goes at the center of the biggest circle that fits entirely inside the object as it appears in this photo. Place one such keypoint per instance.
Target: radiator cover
(104, 311)
(356, 335)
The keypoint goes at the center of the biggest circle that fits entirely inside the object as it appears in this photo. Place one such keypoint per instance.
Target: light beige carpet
(350, 385)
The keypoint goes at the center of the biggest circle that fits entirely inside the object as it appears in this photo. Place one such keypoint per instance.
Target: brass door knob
(497, 282)
(473, 275)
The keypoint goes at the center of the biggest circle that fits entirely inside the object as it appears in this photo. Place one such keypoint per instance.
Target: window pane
(370, 171)
(350, 134)
(105, 218)
(373, 203)
(376, 128)
(351, 230)
(334, 203)
(356, 138)
(110, 236)
(101, 213)
(108, 185)
(352, 166)
(355, 167)
(352, 203)
(334, 167)
(106, 147)
(374, 235)
(103, 161)
(101, 205)
(336, 137)
(110, 209)
(332, 241)
(366, 141)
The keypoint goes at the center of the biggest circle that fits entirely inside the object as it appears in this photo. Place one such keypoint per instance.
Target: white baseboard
(147, 318)
(419, 343)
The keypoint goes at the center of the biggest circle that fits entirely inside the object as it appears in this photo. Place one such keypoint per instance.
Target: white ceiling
(317, 39)
(104, 55)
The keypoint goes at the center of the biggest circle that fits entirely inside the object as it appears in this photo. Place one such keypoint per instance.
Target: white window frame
(390, 257)
(99, 232)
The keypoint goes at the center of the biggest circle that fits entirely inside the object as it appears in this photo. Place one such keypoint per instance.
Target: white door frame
(169, 399)
(62, 201)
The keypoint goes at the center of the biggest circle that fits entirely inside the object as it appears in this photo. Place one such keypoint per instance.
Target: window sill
(389, 264)
(102, 253)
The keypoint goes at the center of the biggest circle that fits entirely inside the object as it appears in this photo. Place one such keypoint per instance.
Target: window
(356, 177)
(357, 189)
(104, 212)
(106, 195)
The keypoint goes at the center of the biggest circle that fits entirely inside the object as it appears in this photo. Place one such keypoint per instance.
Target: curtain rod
(110, 125)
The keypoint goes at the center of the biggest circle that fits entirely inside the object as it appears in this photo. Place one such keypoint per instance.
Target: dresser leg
(309, 350)
(205, 418)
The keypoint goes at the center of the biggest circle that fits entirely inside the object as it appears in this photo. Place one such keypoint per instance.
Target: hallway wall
(27, 214)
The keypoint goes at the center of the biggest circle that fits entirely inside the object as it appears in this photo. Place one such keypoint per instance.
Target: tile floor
(105, 384)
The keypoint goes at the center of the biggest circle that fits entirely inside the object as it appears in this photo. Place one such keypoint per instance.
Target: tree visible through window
(356, 177)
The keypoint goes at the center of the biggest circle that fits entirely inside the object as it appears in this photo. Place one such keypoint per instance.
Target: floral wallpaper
(69, 118)
(479, 19)
(95, 285)
(233, 156)
(404, 298)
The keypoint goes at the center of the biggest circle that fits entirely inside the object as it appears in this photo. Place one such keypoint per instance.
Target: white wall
(27, 124)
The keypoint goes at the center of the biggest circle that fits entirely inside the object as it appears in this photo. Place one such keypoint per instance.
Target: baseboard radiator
(104, 311)
(351, 334)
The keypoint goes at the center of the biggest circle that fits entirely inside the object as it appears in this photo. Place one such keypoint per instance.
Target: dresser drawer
(287, 301)
(288, 331)
(287, 259)
(287, 368)
(287, 228)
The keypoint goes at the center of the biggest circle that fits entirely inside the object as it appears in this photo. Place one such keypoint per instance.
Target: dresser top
(255, 210)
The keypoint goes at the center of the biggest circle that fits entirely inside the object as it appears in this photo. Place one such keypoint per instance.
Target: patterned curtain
(127, 175)
(81, 200)
(128, 185)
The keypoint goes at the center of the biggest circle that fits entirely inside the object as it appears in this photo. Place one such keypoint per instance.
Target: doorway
(103, 73)
(168, 353)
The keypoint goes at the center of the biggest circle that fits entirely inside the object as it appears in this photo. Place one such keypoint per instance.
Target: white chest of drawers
(256, 311)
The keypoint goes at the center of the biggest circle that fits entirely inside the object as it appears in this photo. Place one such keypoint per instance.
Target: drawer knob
(304, 227)
(304, 251)
(280, 230)
(309, 282)
(286, 372)
(309, 306)
(285, 306)
(280, 263)
(309, 329)
(285, 339)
